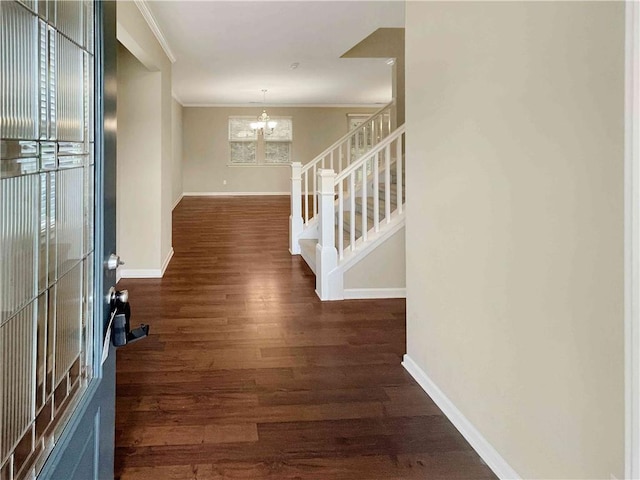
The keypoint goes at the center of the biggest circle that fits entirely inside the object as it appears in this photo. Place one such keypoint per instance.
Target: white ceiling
(228, 51)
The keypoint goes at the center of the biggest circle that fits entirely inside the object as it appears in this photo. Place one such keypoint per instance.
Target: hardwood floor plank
(146, 436)
(447, 466)
(247, 375)
(260, 414)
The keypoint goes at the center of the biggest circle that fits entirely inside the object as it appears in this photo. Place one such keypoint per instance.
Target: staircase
(348, 201)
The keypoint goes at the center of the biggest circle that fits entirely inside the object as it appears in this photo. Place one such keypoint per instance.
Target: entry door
(57, 229)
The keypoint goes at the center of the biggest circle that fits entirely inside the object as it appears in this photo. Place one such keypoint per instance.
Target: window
(247, 147)
(362, 142)
(354, 120)
(242, 141)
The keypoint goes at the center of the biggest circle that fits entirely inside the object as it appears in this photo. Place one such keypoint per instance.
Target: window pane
(240, 129)
(278, 152)
(243, 152)
(283, 130)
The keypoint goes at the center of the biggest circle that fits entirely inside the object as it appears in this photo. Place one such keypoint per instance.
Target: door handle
(114, 262)
(122, 334)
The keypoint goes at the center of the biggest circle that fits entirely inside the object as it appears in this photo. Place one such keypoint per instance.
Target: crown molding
(155, 28)
(175, 96)
(285, 105)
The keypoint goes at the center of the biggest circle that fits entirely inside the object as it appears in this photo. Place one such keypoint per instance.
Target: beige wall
(389, 43)
(134, 33)
(206, 147)
(515, 225)
(176, 159)
(384, 267)
(138, 186)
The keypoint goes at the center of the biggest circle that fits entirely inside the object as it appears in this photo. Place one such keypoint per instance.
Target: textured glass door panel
(18, 72)
(71, 19)
(68, 321)
(89, 172)
(88, 309)
(70, 216)
(89, 33)
(52, 270)
(53, 83)
(43, 79)
(51, 340)
(88, 98)
(17, 342)
(43, 235)
(41, 354)
(18, 157)
(69, 98)
(19, 228)
(46, 225)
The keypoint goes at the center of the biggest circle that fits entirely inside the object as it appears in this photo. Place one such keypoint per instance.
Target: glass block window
(246, 147)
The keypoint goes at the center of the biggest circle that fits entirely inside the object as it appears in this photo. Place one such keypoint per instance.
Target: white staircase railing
(339, 156)
(372, 189)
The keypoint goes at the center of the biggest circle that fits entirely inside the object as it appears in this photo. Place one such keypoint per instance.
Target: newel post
(295, 219)
(326, 253)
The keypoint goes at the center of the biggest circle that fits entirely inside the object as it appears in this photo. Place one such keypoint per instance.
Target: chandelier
(264, 125)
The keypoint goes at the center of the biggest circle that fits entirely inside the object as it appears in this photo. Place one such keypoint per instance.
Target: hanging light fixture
(264, 125)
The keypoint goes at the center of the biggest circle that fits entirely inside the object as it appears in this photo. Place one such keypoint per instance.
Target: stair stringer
(336, 289)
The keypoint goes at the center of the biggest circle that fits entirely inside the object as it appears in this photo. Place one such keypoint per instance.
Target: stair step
(381, 206)
(308, 252)
(358, 224)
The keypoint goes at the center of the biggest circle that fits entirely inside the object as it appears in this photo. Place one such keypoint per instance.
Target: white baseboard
(175, 204)
(480, 444)
(165, 264)
(141, 273)
(233, 194)
(359, 293)
(146, 272)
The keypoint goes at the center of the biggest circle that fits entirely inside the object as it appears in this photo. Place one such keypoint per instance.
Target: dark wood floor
(247, 375)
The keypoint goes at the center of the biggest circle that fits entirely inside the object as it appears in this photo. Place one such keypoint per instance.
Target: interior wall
(386, 43)
(383, 268)
(176, 165)
(206, 147)
(134, 33)
(138, 172)
(515, 144)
